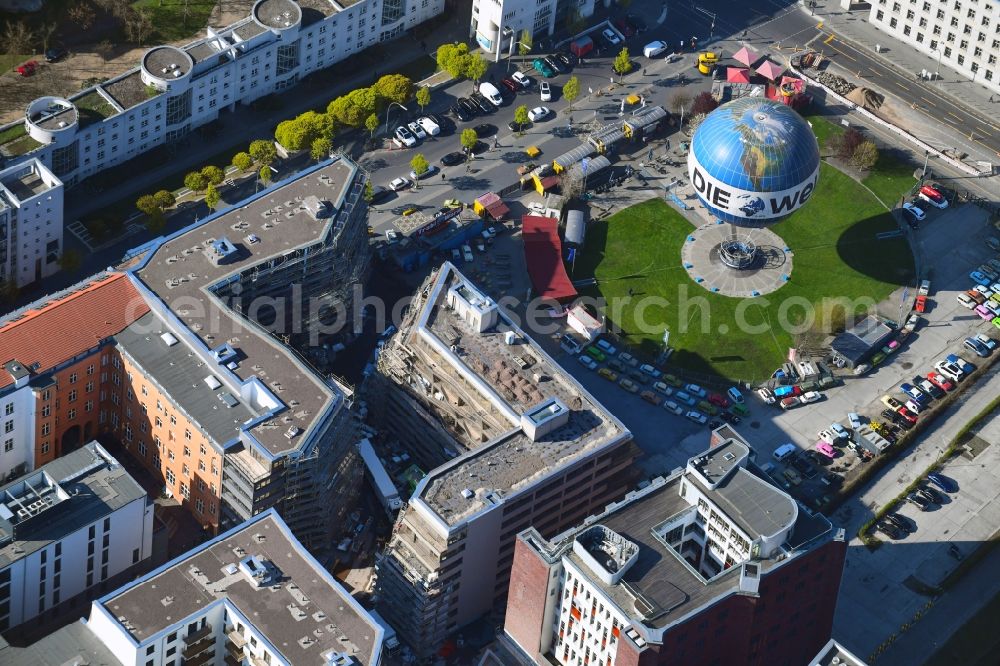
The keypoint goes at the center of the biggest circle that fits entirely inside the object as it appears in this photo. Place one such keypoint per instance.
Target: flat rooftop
(26, 185)
(310, 9)
(167, 62)
(56, 116)
(182, 374)
(79, 488)
(278, 14)
(511, 460)
(73, 644)
(128, 90)
(179, 272)
(301, 603)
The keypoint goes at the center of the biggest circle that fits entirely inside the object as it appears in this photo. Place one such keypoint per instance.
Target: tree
(352, 109)
(521, 118)
(82, 14)
(212, 198)
(213, 175)
(147, 204)
(469, 139)
(242, 161)
(369, 192)
(265, 175)
(526, 43)
(574, 21)
(623, 63)
(371, 124)
(394, 88)
(70, 260)
(320, 148)
(451, 58)
(262, 151)
(704, 103)
(475, 67)
(423, 97)
(138, 25)
(679, 102)
(695, 121)
(164, 199)
(865, 156)
(571, 90)
(156, 223)
(46, 33)
(195, 181)
(847, 143)
(420, 165)
(18, 37)
(292, 134)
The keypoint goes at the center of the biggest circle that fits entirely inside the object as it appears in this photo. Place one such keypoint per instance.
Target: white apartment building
(31, 222)
(496, 22)
(73, 525)
(252, 595)
(177, 89)
(962, 34)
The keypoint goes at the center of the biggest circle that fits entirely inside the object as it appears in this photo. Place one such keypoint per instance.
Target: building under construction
(511, 440)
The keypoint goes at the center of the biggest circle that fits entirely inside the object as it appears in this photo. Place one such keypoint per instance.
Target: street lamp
(504, 33)
(388, 108)
(711, 30)
(510, 53)
(938, 70)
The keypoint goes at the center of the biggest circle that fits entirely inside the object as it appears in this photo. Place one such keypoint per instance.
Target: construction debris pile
(866, 98)
(837, 84)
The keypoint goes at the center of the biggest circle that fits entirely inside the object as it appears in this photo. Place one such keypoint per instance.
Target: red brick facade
(528, 590)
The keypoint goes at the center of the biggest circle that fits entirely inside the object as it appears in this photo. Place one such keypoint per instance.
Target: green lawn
(169, 20)
(835, 255)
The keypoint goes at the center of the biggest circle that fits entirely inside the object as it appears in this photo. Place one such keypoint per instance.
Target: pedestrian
(644, 71)
(442, 176)
(590, 89)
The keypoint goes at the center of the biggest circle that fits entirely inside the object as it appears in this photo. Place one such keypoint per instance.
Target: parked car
(897, 520)
(484, 105)
(910, 416)
(661, 387)
(919, 501)
(966, 367)
(404, 137)
(453, 159)
(987, 341)
(695, 390)
(55, 54)
(810, 396)
(595, 354)
(545, 92)
(628, 385)
(625, 27)
(943, 482)
(543, 68)
(28, 68)
(980, 278)
(672, 406)
(511, 85)
(718, 400)
(539, 113)
(650, 370)
(937, 203)
(977, 347)
(915, 211)
(927, 387)
(921, 492)
(611, 37)
(854, 419)
(697, 417)
(942, 382)
(766, 396)
(429, 126)
(826, 449)
(432, 170)
(522, 79)
(587, 362)
(890, 530)
(607, 347)
(653, 49)
(397, 184)
(608, 374)
(515, 126)
(557, 65)
(651, 398)
(685, 398)
(931, 494)
(416, 130)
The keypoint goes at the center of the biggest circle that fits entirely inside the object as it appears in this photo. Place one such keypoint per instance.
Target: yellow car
(409, 211)
(608, 374)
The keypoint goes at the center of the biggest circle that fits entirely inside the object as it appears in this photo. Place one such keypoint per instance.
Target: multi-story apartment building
(31, 223)
(528, 446)
(250, 596)
(496, 22)
(711, 565)
(177, 89)
(961, 34)
(184, 359)
(71, 528)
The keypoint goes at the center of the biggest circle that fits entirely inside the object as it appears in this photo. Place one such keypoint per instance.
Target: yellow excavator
(707, 62)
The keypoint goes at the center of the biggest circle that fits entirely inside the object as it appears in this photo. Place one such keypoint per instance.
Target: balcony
(202, 659)
(193, 649)
(230, 660)
(196, 636)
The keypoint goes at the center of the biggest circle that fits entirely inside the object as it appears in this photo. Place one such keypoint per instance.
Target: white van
(784, 451)
(491, 93)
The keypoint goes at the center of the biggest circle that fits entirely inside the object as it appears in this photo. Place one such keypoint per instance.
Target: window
(9, 426)
(187, 434)
(135, 555)
(45, 447)
(71, 414)
(199, 506)
(8, 445)
(72, 378)
(8, 409)
(187, 452)
(171, 479)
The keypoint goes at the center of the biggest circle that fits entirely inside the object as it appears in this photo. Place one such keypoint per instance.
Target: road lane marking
(901, 85)
(829, 39)
(959, 118)
(928, 101)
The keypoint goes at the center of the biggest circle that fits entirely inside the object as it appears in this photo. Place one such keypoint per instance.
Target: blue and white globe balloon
(753, 162)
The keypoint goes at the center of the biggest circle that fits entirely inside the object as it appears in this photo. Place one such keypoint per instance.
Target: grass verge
(171, 23)
(635, 254)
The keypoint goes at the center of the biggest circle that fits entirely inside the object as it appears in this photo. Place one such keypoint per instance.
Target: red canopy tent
(770, 71)
(745, 56)
(543, 256)
(737, 75)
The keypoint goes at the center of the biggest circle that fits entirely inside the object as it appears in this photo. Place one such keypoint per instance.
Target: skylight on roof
(168, 339)
(212, 382)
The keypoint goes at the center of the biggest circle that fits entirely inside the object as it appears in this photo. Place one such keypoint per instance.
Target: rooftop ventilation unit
(221, 251)
(212, 382)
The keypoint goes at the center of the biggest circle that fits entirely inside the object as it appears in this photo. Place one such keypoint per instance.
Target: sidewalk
(854, 26)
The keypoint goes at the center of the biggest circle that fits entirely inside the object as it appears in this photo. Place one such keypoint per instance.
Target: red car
(921, 304)
(940, 381)
(931, 192)
(718, 400)
(625, 27)
(28, 68)
(511, 85)
(907, 414)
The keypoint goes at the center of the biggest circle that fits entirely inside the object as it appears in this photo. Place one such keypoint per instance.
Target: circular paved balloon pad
(702, 258)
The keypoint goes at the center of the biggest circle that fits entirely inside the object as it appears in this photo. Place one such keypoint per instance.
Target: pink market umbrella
(770, 71)
(745, 56)
(737, 75)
